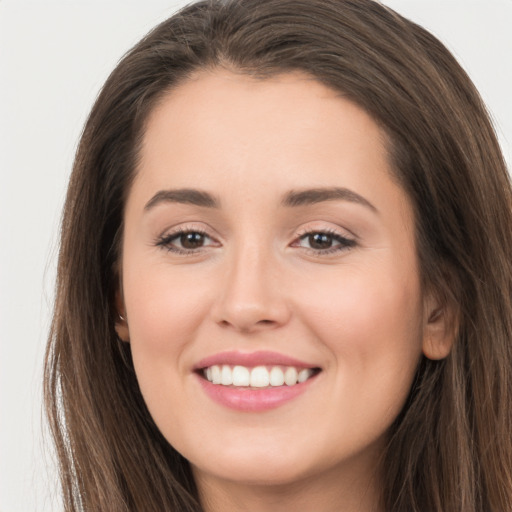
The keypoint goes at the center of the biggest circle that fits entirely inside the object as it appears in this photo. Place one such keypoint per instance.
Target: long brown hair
(451, 447)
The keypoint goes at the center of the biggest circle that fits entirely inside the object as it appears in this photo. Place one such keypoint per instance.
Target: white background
(54, 57)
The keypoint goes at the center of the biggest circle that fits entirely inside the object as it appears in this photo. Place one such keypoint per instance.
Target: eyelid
(345, 241)
(316, 228)
(326, 227)
(164, 240)
(186, 227)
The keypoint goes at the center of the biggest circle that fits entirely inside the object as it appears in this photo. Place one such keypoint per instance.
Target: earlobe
(122, 331)
(439, 332)
(121, 324)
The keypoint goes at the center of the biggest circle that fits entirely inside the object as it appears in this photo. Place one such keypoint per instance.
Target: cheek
(164, 305)
(372, 324)
(165, 309)
(374, 336)
(369, 305)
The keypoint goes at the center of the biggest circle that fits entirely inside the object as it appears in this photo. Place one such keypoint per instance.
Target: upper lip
(251, 359)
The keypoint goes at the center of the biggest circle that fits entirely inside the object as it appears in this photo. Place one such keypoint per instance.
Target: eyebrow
(294, 198)
(183, 196)
(318, 195)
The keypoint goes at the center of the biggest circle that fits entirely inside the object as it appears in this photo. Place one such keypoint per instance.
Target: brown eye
(191, 240)
(186, 242)
(324, 242)
(320, 241)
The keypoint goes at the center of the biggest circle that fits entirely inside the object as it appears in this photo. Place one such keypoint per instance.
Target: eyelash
(165, 241)
(345, 243)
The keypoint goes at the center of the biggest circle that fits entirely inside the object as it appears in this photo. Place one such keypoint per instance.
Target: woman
(284, 277)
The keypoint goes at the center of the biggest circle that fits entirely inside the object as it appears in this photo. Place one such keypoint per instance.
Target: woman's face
(264, 231)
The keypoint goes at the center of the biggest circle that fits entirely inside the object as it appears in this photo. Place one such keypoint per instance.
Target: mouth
(256, 377)
(255, 382)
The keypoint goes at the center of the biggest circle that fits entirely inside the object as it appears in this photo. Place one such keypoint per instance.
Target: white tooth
(290, 376)
(259, 377)
(208, 374)
(216, 374)
(241, 376)
(226, 377)
(304, 375)
(276, 376)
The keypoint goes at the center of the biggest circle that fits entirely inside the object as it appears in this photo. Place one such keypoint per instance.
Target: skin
(257, 283)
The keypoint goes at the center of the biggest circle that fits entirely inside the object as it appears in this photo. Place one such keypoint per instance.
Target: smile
(255, 382)
(257, 377)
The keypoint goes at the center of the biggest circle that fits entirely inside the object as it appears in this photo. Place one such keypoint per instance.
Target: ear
(439, 329)
(121, 324)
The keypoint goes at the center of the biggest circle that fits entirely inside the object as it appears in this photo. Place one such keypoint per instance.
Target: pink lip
(252, 400)
(251, 359)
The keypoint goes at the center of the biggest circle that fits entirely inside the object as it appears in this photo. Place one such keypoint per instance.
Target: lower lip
(254, 399)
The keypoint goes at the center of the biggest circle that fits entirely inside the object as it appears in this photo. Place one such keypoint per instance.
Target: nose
(252, 295)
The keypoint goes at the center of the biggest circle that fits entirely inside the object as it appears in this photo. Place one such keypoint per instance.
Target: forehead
(219, 100)
(231, 132)
(288, 113)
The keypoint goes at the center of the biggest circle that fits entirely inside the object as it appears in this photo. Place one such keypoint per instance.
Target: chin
(271, 472)
(260, 463)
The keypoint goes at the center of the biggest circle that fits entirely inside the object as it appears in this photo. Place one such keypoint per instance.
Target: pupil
(320, 241)
(192, 240)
